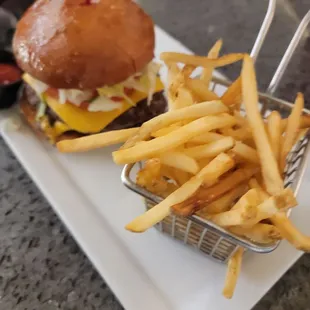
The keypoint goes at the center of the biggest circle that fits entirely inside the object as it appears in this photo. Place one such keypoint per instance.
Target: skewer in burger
(88, 67)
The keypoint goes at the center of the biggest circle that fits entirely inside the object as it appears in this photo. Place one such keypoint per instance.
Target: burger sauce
(9, 74)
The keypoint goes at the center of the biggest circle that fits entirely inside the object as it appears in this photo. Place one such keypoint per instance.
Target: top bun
(83, 44)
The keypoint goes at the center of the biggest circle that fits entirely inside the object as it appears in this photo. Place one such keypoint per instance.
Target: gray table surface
(41, 266)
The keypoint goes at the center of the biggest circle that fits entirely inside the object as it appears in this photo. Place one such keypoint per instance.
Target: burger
(88, 67)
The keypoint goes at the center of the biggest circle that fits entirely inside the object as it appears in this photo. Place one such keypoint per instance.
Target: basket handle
(276, 79)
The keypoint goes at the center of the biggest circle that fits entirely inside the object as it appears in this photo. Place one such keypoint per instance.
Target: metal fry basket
(216, 242)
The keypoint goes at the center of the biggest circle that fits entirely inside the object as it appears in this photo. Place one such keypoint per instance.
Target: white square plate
(146, 271)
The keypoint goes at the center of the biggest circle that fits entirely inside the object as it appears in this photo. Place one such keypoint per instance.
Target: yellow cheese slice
(91, 122)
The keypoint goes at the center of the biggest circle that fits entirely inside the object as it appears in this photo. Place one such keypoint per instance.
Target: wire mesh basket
(216, 242)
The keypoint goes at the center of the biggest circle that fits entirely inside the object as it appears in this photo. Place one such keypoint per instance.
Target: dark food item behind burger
(88, 65)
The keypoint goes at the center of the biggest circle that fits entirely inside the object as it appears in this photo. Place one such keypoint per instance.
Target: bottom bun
(133, 117)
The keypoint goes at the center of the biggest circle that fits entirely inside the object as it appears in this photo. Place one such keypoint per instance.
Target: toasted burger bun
(83, 44)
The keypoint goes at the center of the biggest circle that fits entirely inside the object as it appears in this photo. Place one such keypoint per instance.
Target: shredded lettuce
(41, 110)
(103, 104)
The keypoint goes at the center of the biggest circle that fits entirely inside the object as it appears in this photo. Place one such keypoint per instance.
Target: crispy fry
(163, 120)
(150, 178)
(200, 61)
(240, 134)
(260, 233)
(180, 161)
(174, 139)
(245, 152)
(270, 171)
(164, 131)
(178, 176)
(211, 149)
(160, 211)
(95, 141)
(206, 74)
(291, 233)
(291, 131)
(250, 209)
(233, 271)
(225, 202)
(200, 90)
(183, 98)
(207, 138)
(244, 211)
(274, 132)
(304, 122)
(215, 168)
(233, 95)
(208, 195)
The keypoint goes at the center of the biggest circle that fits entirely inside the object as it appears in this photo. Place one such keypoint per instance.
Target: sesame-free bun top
(83, 44)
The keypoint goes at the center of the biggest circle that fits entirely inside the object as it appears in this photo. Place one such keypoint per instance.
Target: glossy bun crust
(83, 44)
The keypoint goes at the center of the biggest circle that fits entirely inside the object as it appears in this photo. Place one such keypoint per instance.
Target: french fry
(233, 95)
(260, 233)
(150, 178)
(291, 233)
(270, 171)
(233, 271)
(178, 176)
(200, 90)
(172, 140)
(244, 211)
(206, 74)
(241, 134)
(250, 209)
(161, 210)
(208, 195)
(95, 141)
(211, 149)
(183, 98)
(200, 61)
(271, 206)
(193, 112)
(274, 132)
(291, 131)
(180, 161)
(225, 202)
(164, 131)
(245, 152)
(207, 138)
(304, 123)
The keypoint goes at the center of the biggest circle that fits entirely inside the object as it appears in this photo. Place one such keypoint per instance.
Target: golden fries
(291, 131)
(206, 138)
(206, 75)
(274, 132)
(208, 195)
(178, 137)
(201, 60)
(269, 165)
(163, 120)
(225, 202)
(200, 91)
(233, 270)
(233, 95)
(245, 152)
(181, 161)
(96, 141)
(259, 233)
(211, 149)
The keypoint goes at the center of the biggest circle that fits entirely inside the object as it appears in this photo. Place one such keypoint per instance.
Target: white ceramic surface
(146, 271)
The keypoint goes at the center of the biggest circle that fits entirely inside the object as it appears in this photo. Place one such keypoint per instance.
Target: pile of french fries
(205, 157)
